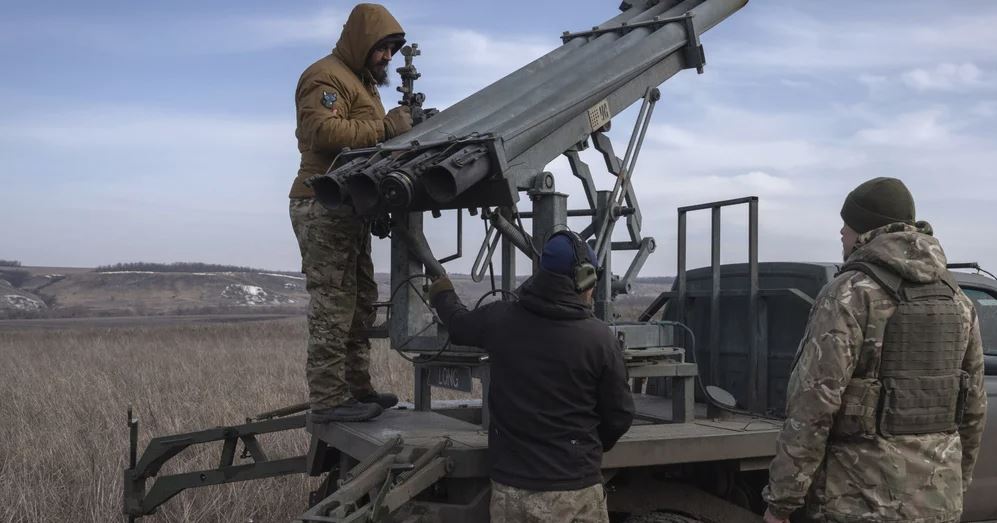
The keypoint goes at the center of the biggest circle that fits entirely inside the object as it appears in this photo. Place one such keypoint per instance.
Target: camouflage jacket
(914, 479)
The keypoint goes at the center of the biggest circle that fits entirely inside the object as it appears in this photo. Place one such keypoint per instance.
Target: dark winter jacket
(558, 395)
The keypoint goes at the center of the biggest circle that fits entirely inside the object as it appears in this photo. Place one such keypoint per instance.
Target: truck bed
(649, 442)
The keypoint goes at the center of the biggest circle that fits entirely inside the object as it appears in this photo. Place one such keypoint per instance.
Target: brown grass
(64, 395)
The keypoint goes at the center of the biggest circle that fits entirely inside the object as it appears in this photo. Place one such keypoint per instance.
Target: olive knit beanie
(878, 202)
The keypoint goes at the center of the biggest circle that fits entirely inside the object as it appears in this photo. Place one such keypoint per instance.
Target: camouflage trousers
(513, 505)
(339, 276)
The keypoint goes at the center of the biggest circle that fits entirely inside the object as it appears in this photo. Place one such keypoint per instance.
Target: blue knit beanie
(559, 255)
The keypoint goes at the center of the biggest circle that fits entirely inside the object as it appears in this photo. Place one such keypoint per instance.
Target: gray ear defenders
(585, 275)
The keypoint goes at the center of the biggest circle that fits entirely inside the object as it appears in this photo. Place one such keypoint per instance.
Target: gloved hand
(397, 121)
(439, 286)
(380, 225)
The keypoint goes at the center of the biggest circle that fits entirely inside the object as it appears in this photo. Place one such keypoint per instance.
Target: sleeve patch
(328, 99)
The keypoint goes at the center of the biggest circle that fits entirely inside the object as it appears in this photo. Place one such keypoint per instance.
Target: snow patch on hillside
(253, 295)
(21, 303)
(282, 275)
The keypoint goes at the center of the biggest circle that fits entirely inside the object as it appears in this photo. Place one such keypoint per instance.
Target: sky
(164, 131)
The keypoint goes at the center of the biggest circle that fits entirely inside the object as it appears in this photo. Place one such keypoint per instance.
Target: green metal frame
(141, 501)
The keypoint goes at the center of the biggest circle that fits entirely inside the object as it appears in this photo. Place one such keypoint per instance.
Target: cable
(436, 319)
(988, 273)
(503, 292)
(691, 351)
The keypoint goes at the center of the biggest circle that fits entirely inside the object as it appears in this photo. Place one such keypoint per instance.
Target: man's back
(558, 395)
(835, 417)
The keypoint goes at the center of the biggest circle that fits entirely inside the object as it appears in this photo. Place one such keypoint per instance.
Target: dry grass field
(64, 394)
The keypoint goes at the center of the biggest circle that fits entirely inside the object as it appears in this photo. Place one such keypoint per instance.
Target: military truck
(696, 452)
(708, 360)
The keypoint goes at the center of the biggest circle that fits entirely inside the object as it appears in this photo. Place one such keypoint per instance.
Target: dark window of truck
(986, 310)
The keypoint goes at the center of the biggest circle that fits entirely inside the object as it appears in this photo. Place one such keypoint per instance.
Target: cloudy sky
(165, 131)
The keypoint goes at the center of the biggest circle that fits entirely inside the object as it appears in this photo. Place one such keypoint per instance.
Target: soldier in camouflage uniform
(886, 400)
(338, 106)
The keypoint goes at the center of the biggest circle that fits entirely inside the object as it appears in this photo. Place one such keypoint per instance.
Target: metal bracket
(139, 501)
(388, 478)
(460, 240)
(647, 246)
(623, 179)
(695, 56)
(487, 250)
(581, 170)
(614, 166)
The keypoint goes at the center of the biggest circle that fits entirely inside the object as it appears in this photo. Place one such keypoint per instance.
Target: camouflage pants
(513, 505)
(339, 276)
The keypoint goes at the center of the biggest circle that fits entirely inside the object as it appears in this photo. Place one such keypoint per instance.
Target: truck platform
(751, 440)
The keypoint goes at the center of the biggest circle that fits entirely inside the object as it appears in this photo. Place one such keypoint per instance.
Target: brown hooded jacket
(337, 100)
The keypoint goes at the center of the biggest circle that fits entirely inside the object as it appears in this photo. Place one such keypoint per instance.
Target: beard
(379, 73)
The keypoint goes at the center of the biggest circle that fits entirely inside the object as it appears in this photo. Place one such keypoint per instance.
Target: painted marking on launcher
(454, 378)
(599, 115)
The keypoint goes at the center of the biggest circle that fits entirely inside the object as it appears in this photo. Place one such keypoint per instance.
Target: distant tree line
(10, 263)
(174, 267)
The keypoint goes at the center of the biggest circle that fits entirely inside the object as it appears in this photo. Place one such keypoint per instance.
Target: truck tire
(662, 517)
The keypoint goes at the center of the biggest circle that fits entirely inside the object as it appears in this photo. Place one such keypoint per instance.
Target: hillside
(50, 292)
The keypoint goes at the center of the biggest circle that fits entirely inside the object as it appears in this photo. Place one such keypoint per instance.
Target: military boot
(349, 410)
(386, 400)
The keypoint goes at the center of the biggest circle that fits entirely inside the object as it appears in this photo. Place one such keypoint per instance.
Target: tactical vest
(917, 385)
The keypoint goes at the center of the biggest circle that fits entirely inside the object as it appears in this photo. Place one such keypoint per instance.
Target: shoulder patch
(328, 99)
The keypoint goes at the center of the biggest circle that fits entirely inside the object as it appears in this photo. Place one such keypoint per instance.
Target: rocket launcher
(485, 149)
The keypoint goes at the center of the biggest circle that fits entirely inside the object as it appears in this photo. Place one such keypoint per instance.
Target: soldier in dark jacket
(558, 395)
(886, 401)
(338, 106)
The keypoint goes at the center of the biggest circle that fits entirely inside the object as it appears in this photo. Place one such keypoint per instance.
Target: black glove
(380, 226)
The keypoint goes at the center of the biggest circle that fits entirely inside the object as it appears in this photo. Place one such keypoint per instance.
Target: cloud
(796, 107)
(910, 130)
(781, 37)
(125, 128)
(277, 31)
(944, 77)
(695, 189)
(690, 151)
(985, 109)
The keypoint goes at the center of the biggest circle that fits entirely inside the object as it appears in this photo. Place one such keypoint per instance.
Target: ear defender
(585, 275)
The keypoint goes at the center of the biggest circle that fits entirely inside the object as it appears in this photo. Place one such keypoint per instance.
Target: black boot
(385, 399)
(349, 410)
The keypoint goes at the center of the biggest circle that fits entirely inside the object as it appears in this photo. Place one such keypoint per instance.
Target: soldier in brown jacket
(338, 106)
